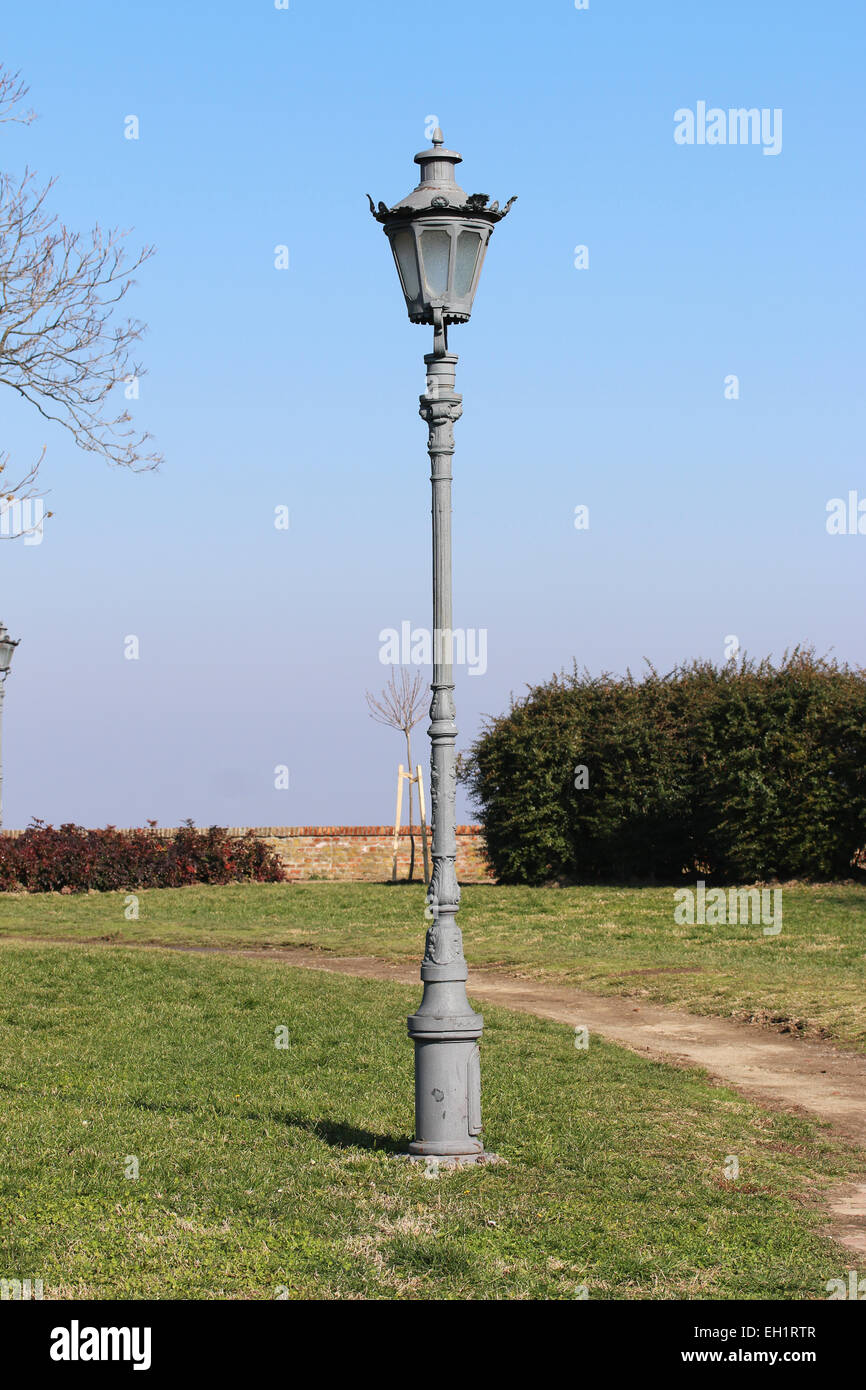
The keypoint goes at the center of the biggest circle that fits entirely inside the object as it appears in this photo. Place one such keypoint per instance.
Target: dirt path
(777, 1070)
(774, 1069)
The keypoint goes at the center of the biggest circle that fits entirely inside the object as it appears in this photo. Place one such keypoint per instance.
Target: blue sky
(601, 387)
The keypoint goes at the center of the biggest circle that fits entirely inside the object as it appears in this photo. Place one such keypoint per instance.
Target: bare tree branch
(401, 705)
(60, 346)
(402, 702)
(12, 93)
(12, 495)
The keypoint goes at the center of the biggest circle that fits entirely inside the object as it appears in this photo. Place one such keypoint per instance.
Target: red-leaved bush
(46, 860)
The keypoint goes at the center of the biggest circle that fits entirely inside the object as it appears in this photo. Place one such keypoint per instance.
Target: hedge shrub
(45, 859)
(743, 772)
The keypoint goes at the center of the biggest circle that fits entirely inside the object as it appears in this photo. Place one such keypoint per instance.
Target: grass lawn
(610, 940)
(267, 1172)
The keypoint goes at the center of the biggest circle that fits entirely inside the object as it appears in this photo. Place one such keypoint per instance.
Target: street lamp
(439, 238)
(7, 647)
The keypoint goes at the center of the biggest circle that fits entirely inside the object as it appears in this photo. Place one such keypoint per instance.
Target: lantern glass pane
(468, 244)
(435, 252)
(6, 650)
(404, 250)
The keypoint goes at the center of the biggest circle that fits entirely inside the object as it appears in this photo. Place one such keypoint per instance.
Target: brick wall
(366, 852)
(355, 852)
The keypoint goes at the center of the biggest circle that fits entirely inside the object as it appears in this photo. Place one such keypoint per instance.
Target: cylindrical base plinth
(447, 1093)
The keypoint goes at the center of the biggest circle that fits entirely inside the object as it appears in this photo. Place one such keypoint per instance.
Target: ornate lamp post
(7, 647)
(439, 238)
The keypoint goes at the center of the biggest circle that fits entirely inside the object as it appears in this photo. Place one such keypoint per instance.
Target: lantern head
(7, 648)
(439, 236)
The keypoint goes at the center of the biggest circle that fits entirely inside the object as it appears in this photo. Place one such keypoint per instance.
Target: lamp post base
(436, 1149)
(433, 1162)
(445, 1033)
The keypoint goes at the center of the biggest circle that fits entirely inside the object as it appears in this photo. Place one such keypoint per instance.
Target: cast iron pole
(445, 1030)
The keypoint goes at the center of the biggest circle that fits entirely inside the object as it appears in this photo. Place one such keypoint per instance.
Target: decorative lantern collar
(439, 191)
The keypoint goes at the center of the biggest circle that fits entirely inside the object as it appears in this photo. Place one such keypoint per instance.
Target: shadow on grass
(343, 1136)
(333, 1132)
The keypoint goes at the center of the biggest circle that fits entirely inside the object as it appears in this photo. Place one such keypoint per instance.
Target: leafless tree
(61, 347)
(12, 94)
(401, 705)
(23, 491)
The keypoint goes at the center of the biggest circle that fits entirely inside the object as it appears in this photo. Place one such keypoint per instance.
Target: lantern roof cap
(437, 151)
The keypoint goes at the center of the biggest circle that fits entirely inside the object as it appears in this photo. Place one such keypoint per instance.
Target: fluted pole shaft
(445, 1030)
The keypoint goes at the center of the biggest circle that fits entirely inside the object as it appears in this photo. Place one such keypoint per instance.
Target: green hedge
(741, 772)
